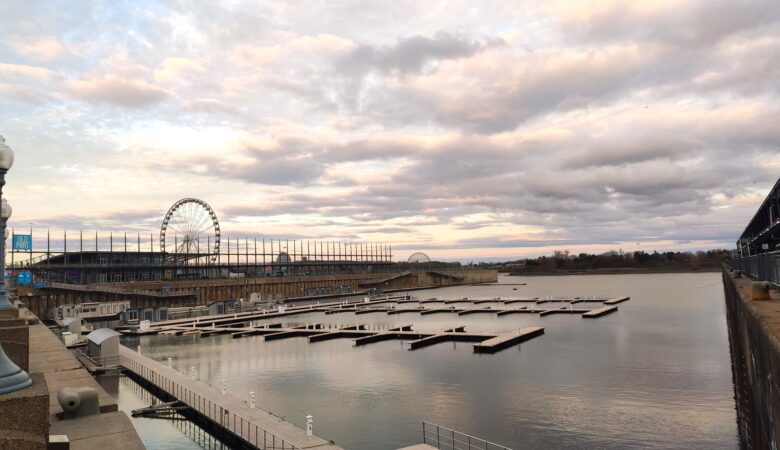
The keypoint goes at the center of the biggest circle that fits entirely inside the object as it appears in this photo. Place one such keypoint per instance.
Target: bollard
(170, 363)
(252, 400)
(224, 387)
(139, 349)
(193, 375)
(309, 425)
(760, 290)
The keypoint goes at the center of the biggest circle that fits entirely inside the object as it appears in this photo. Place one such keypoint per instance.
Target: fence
(448, 439)
(236, 424)
(764, 266)
(100, 362)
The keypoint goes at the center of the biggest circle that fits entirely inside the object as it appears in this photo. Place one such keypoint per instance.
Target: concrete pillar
(24, 422)
(252, 400)
(309, 425)
(170, 363)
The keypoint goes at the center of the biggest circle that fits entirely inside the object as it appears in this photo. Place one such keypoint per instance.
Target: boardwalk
(256, 427)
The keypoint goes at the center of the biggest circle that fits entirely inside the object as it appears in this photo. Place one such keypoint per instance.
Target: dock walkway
(255, 426)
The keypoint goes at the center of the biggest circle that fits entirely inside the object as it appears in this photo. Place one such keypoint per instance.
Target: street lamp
(12, 378)
(6, 161)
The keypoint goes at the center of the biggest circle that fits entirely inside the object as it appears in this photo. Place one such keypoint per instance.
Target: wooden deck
(592, 314)
(499, 343)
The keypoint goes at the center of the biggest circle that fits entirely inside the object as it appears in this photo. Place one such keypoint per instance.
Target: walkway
(257, 427)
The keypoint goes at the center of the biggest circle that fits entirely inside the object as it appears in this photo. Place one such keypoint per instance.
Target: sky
(463, 129)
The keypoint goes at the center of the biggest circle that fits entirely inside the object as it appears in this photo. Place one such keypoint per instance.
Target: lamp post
(12, 378)
(6, 161)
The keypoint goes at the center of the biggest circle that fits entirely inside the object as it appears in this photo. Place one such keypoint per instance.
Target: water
(656, 374)
(162, 434)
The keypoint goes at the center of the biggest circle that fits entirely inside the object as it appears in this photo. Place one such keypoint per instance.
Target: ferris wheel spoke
(204, 221)
(206, 228)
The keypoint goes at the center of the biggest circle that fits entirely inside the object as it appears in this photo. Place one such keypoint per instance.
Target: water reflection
(656, 374)
(175, 432)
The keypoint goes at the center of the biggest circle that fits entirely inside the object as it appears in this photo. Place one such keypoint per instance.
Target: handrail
(234, 423)
(117, 290)
(101, 361)
(449, 439)
(764, 266)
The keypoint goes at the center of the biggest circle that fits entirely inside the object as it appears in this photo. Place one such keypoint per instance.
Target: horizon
(465, 132)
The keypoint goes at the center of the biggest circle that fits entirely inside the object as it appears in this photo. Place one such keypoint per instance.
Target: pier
(503, 341)
(599, 312)
(360, 335)
(392, 306)
(243, 426)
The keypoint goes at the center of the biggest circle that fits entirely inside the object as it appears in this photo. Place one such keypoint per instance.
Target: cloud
(26, 71)
(210, 105)
(44, 48)
(500, 126)
(411, 54)
(116, 91)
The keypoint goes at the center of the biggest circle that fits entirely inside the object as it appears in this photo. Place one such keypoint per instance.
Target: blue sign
(22, 242)
(25, 277)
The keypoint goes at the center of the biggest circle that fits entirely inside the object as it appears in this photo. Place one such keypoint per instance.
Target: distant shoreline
(612, 271)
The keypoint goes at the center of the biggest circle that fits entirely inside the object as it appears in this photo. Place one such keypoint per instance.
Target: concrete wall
(754, 338)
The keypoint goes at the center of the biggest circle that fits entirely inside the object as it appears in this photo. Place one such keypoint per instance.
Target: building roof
(100, 335)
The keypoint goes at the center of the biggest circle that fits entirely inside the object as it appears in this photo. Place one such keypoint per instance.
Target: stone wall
(754, 338)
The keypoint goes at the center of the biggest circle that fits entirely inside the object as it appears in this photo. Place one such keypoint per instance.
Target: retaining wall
(754, 338)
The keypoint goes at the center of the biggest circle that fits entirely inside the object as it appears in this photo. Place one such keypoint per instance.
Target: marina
(445, 380)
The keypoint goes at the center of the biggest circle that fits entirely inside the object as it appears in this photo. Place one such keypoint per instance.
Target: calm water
(656, 374)
(157, 434)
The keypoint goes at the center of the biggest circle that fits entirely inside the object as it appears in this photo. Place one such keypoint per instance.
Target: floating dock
(503, 341)
(594, 313)
(390, 305)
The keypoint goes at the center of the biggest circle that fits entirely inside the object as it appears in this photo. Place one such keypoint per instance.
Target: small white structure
(69, 339)
(103, 347)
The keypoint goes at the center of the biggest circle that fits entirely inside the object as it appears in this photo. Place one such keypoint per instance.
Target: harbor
(323, 372)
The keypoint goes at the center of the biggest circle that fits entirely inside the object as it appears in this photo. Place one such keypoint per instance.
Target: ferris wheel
(190, 226)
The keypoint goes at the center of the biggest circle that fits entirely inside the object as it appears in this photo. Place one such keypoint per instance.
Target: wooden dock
(218, 324)
(256, 428)
(615, 301)
(503, 341)
(594, 313)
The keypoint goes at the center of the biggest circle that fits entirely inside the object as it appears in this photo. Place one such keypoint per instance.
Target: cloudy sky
(460, 128)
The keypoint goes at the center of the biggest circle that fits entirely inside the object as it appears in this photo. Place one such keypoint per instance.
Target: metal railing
(236, 424)
(100, 361)
(449, 439)
(764, 266)
(120, 290)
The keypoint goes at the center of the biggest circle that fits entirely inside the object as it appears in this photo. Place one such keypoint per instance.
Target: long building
(121, 262)
(762, 233)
